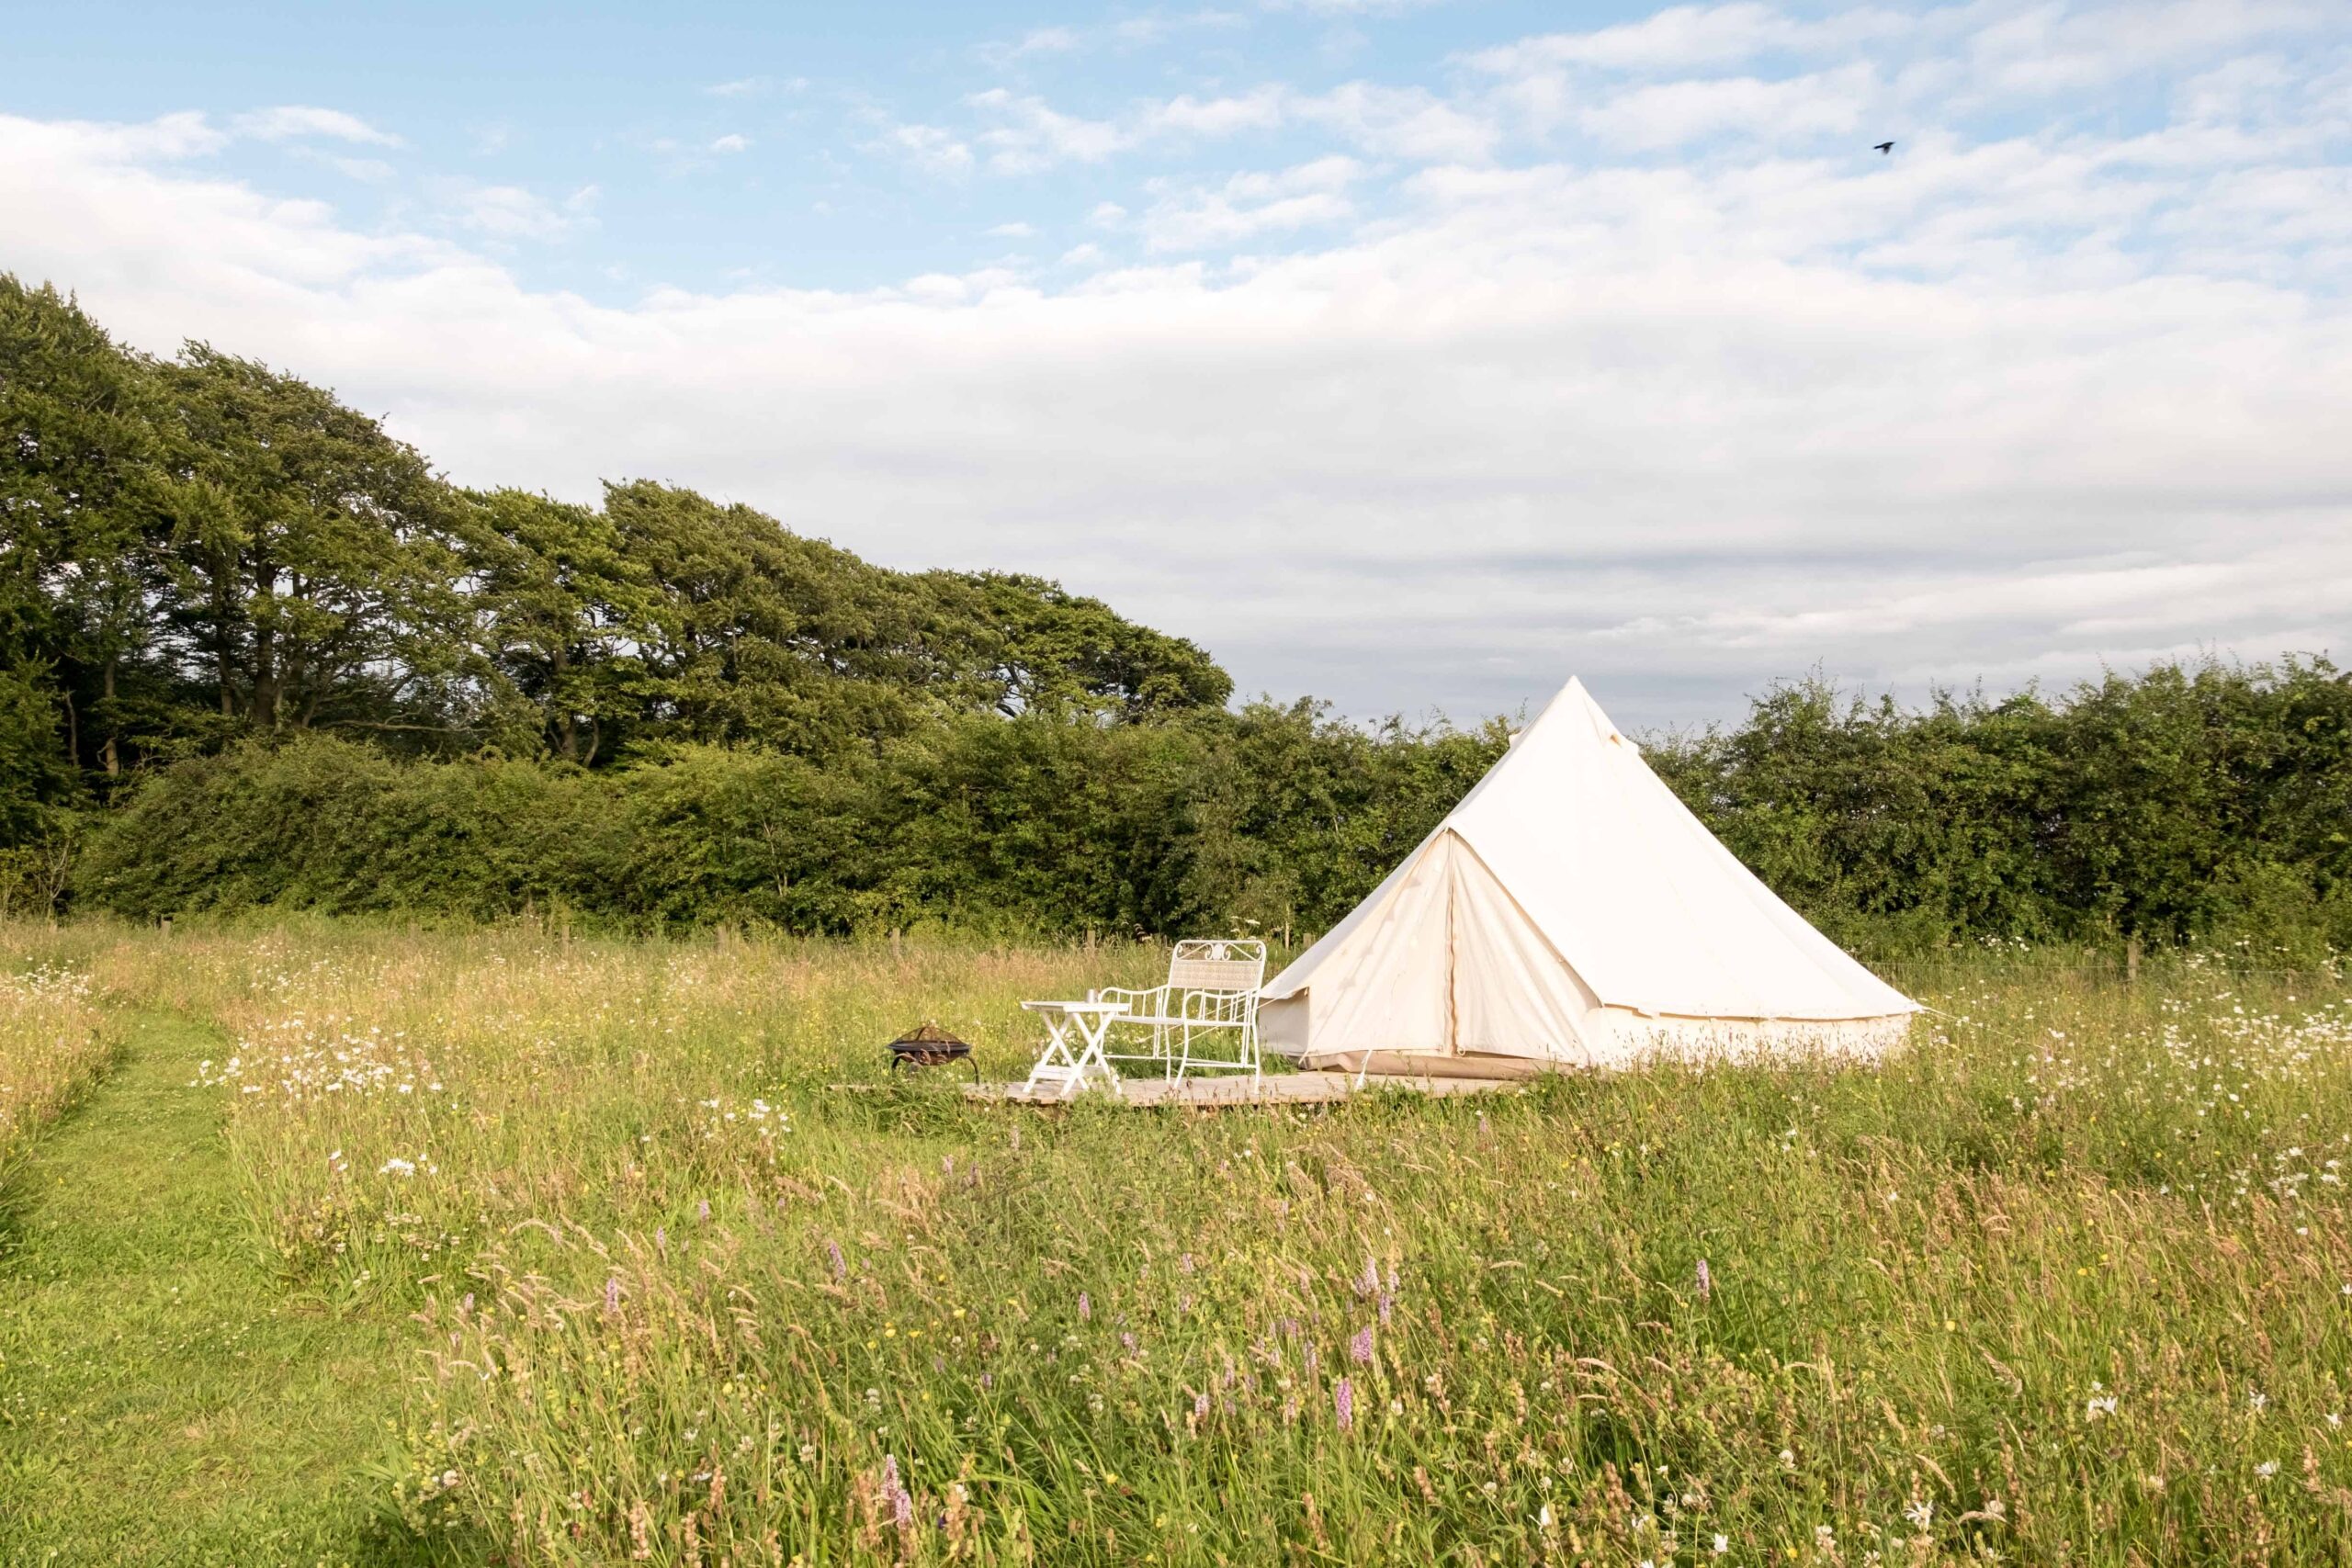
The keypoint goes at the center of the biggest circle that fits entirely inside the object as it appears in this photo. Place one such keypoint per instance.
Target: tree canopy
(255, 652)
(203, 549)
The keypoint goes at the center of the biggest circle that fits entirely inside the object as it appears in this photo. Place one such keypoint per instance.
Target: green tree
(761, 635)
(1032, 647)
(2179, 788)
(79, 575)
(34, 778)
(314, 572)
(562, 609)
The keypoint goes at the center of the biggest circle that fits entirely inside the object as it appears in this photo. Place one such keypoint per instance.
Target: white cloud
(930, 148)
(1154, 26)
(121, 186)
(1960, 56)
(1401, 122)
(1125, 33)
(1260, 109)
(731, 142)
(1350, 7)
(2005, 405)
(367, 170)
(1333, 172)
(295, 121)
(1208, 221)
(1038, 41)
(740, 87)
(1680, 38)
(1249, 205)
(168, 138)
(1029, 135)
(1013, 231)
(2037, 49)
(511, 212)
(1667, 114)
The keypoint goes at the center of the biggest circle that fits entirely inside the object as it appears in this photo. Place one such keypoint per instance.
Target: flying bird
(1885, 147)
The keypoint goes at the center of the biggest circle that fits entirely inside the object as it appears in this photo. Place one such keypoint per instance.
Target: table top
(1075, 1006)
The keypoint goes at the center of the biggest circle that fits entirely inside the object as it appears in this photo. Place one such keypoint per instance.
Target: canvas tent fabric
(1572, 910)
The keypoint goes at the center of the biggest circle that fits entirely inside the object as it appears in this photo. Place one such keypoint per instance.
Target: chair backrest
(1218, 964)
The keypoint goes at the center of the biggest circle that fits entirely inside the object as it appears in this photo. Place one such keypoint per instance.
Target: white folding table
(1062, 1063)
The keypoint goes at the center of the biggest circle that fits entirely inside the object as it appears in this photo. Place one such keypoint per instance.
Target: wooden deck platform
(1210, 1093)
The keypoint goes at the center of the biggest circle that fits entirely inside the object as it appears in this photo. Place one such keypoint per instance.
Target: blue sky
(1414, 355)
(725, 145)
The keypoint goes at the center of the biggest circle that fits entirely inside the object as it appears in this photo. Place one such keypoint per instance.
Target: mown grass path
(164, 1398)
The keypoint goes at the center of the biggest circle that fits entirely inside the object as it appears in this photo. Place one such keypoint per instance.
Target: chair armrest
(1216, 1007)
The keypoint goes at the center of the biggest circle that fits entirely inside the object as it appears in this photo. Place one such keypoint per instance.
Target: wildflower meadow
(54, 1040)
(600, 1262)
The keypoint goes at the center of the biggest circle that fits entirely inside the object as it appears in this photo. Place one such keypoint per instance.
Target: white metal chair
(1204, 1015)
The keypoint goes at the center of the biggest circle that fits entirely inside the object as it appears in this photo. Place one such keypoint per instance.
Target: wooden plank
(1208, 1093)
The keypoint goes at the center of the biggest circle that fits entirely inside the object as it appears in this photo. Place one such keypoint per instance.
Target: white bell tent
(1572, 910)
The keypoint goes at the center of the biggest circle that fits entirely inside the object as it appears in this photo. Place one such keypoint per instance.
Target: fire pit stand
(930, 1046)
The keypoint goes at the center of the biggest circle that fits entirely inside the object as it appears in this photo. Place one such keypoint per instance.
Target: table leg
(1096, 1037)
(1066, 1066)
(1057, 1044)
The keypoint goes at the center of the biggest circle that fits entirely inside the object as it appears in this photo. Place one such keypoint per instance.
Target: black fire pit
(930, 1046)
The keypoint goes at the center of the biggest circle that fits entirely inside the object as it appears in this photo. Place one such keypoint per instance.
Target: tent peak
(1575, 698)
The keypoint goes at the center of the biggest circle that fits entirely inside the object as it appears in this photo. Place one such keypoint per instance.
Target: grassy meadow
(356, 1246)
(54, 1041)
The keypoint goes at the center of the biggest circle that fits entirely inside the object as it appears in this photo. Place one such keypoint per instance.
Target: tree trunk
(106, 754)
(266, 677)
(566, 724)
(72, 731)
(221, 646)
(298, 693)
(265, 703)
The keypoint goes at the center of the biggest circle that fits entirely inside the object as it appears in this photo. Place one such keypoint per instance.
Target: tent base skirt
(1426, 1065)
(1633, 1041)
(1748, 1039)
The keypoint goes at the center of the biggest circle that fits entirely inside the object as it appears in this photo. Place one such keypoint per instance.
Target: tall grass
(2069, 1279)
(54, 1039)
(397, 1100)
